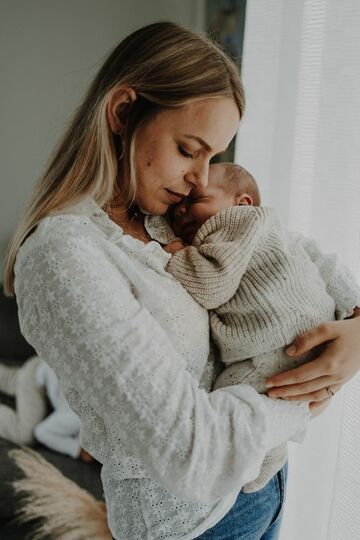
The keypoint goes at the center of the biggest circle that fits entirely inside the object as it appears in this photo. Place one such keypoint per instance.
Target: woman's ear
(118, 106)
(244, 199)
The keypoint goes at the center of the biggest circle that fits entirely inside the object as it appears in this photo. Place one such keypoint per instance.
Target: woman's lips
(175, 197)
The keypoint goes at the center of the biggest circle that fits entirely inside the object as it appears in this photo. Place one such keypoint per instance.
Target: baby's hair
(238, 180)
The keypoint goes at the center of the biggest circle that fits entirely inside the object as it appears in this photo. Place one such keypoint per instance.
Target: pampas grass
(67, 511)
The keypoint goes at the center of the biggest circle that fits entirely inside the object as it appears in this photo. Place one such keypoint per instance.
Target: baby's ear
(244, 199)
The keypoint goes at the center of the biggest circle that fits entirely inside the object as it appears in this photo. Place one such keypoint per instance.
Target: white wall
(49, 51)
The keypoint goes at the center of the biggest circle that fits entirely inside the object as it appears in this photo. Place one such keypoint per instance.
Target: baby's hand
(85, 456)
(175, 246)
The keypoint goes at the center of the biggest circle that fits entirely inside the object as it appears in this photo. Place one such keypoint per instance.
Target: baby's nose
(180, 210)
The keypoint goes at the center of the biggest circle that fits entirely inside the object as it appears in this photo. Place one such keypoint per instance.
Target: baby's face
(199, 206)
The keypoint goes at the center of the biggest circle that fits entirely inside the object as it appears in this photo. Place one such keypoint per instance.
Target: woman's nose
(199, 177)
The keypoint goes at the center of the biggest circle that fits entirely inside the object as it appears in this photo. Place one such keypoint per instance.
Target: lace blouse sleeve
(78, 311)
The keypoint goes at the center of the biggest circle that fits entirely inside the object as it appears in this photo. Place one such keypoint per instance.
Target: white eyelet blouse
(130, 348)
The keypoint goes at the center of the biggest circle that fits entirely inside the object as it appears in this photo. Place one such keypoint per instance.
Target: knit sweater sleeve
(341, 284)
(211, 269)
(78, 310)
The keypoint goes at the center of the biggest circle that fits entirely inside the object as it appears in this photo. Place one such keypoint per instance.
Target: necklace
(133, 225)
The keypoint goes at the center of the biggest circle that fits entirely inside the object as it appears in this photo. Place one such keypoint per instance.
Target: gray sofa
(14, 350)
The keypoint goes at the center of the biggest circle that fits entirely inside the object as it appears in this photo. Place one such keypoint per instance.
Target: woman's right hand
(338, 362)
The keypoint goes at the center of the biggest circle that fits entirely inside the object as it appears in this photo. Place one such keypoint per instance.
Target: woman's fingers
(307, 387)
(306, 392)
(317, 336)
(307, 372)
(338, 360)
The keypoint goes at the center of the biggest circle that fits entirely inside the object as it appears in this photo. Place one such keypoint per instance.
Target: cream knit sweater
(263, 287)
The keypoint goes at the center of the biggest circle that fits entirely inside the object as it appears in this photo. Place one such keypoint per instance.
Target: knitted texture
(264, 287)
(130, 346)
(260, 284)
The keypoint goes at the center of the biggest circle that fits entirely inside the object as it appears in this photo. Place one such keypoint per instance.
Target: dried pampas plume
(67, 511)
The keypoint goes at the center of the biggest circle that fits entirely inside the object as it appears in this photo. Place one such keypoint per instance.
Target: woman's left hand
(338, 363)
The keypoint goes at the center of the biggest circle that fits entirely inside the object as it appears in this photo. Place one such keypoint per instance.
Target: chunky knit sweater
(130, 348)
(264, 287)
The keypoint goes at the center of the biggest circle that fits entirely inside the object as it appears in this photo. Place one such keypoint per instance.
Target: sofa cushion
(12, 342)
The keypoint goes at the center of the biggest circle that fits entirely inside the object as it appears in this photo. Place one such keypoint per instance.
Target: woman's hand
(339, 362)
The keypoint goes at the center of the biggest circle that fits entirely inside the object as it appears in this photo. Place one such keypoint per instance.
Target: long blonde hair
(167, 66)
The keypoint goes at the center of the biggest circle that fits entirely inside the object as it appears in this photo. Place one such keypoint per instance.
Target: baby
(262, 285)
(35, 387)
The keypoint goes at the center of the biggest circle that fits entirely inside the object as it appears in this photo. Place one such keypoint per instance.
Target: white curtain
(301, 140)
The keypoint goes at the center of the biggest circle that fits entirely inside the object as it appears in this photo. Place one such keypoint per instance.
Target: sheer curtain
(301, 140)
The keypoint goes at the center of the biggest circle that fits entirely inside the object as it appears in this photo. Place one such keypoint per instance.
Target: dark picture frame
(225, 24)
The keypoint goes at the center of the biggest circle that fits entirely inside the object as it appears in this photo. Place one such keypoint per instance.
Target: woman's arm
(337, 364)
(78, 311)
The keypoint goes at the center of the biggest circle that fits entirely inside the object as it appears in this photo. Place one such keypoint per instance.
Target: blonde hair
(237, 180)
(167, 66)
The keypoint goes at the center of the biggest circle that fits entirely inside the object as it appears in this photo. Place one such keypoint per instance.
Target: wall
(49, 52)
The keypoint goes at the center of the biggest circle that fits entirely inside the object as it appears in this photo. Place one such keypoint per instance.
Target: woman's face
(173, 151)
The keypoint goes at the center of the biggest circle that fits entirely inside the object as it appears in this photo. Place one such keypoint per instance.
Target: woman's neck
(130, 220)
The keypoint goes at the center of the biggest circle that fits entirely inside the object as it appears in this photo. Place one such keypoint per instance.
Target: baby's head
(229, 185)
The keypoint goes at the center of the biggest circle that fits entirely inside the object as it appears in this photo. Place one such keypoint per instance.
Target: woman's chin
(157, 209)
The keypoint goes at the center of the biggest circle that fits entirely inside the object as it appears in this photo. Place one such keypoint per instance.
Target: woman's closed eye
(183, 152)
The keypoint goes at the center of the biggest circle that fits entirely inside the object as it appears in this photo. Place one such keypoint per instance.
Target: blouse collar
(156, 226)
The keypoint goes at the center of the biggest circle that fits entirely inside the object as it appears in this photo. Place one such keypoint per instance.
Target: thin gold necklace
(134, 214)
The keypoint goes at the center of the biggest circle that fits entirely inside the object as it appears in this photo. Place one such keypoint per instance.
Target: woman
(129, 345)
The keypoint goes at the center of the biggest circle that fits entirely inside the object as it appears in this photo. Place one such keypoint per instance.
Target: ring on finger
(329, 391)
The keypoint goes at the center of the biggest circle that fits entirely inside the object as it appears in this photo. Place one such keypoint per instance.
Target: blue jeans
(254, 516)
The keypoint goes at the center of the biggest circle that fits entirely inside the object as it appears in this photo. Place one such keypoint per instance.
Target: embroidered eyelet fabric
(130, 348)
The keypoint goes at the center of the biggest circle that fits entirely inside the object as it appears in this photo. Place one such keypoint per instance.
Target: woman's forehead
(209, 121)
